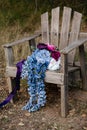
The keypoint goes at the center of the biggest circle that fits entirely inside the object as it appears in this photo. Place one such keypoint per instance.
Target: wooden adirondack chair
(67, 38)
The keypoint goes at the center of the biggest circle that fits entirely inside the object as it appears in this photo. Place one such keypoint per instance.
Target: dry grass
(15, 33)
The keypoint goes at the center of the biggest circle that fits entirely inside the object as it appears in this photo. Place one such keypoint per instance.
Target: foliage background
(27, 12)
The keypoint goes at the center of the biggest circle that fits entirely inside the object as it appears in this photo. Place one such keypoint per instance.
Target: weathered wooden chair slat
(45, 28)
(54, 38)
(65, 28)
(75, 28)
(67, 38)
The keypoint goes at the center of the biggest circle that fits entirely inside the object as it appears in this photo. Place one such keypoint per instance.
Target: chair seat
(55, 77)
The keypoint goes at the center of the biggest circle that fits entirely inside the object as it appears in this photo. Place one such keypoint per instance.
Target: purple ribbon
(17, 87)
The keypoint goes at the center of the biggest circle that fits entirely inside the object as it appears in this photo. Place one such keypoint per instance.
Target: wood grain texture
(64, 88)
(74, 34)
(9, 56)
(65, 28)
(45, 27)
(50, 76)
(83, 66)
(55, 26)
(73, 45)
(21, 41)
(54, 77)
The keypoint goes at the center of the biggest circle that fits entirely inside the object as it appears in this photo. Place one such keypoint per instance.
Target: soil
(48, 117)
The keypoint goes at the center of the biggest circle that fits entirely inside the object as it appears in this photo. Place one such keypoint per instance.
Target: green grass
(28, 12)
(13, 12)
(20, 12)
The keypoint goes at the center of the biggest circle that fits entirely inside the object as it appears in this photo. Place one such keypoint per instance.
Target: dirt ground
(48, 117)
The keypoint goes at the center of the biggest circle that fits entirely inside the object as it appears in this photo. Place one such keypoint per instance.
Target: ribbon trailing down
(17, 87)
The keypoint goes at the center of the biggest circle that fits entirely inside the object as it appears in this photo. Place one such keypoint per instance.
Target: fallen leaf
(84, 115)
(43, 119)
(21, 124)
(27, 114)
(72, 112)
(14, 105)
(85, 128)
(5, 116)
(0, 89)
(9, 112)
(21, 119)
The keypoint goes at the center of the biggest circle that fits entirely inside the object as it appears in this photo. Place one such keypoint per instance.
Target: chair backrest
(61, 33)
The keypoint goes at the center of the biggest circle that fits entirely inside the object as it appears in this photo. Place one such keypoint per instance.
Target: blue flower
(34, 69)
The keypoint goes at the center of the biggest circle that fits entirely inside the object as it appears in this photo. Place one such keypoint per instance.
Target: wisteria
(34, 69)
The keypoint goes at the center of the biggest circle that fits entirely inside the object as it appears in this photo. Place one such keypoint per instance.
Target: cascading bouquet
(34, 69)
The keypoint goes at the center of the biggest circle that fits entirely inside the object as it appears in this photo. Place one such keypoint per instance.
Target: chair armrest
(21, 40)
(73, 45)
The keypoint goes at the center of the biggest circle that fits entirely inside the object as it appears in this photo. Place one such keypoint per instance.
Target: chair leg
(11, 85)
(64, 100)
(83, 67)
